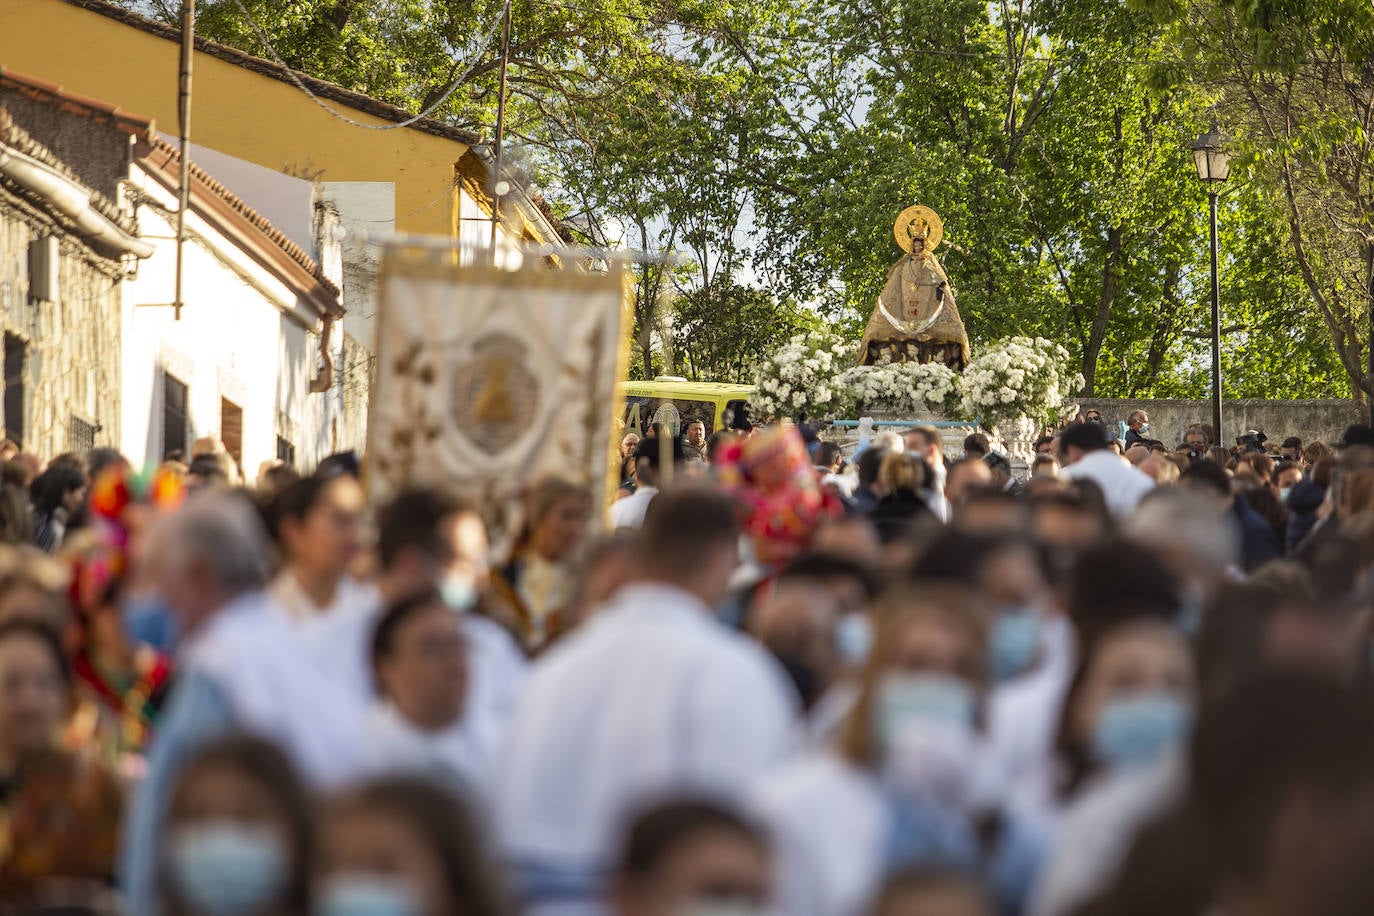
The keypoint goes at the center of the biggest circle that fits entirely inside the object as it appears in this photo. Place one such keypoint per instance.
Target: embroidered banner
(490, 379)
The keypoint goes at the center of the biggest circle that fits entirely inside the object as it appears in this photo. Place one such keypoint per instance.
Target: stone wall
(1169, 419)
(71, 373)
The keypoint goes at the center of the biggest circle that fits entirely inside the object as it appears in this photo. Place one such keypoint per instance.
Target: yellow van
(675, 402)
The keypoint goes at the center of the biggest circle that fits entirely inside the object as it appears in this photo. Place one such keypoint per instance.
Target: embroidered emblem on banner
(495, 394)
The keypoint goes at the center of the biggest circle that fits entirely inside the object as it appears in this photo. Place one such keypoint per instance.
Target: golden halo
(915, 222)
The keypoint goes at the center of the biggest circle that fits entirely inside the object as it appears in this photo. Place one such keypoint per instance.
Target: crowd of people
(780, 676)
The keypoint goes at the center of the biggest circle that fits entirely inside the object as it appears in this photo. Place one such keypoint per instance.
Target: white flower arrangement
(801, 379)
(1019, 377)
(907, 388)
(1013, 378)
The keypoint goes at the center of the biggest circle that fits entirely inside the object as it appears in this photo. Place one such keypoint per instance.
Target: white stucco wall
(243, 336)
(366, 208)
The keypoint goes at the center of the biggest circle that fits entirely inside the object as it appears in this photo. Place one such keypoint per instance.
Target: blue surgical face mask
(151, 621)
(457, 592)
(854, 637)
(905, 698)
(361, 894)
(1144, 427)
(721, 908)
(1283, 494)
(1014, 642)
(1137, 730)
(225, 868)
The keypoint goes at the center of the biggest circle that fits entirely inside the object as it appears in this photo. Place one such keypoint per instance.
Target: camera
(1253, 440)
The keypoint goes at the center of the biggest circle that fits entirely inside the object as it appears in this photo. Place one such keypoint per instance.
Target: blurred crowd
(775, 675)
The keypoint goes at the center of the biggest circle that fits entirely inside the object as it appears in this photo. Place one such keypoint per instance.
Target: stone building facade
(65, 247)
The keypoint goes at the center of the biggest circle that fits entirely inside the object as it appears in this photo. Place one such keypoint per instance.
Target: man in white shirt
(1087, 455)
(629, 512)
(652, 698)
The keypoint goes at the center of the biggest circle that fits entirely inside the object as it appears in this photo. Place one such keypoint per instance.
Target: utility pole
(188, 46)
(498, 185)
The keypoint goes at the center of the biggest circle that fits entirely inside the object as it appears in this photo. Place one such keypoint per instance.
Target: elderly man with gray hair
(238, 670)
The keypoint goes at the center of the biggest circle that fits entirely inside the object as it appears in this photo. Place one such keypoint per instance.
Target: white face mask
(707, 907)
(362, 894)
(926, 730)
(225, 867)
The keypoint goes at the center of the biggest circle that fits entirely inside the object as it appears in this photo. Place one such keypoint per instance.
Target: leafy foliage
(771, 143)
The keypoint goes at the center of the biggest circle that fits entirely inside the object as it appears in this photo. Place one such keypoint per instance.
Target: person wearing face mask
(1137, 428)
(901, 788)
(692, 858)
(1031, 647)
(402, 847)
(419, 658)
(1129, 706)
(429, 539)
(1287, 475)
(239, 835)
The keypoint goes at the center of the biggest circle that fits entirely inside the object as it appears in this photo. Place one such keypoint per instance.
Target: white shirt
(829, 824)
(336, 639)
(392, 744)
(629, 512)
(1096, 832)
(1122, 485)
(1023, 720)
(497, 672)
(249, 650)
(653, 697)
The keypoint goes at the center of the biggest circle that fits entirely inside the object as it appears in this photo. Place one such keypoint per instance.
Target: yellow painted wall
(236, 111)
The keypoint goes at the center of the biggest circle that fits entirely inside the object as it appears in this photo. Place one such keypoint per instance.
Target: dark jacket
(1304, 500)
(1258, 542)
(894, 515)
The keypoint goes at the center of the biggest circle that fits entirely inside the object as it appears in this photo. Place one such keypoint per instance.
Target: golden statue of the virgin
(916, 319)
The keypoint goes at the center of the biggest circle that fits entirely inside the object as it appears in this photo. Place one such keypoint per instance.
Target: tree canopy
(771, 144)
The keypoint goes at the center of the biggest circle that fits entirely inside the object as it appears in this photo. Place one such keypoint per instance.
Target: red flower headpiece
(784, 501)
(115, 503)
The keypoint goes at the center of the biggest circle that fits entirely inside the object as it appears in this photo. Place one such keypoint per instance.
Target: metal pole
(496, 195)
(188, 44)
(1216, 331)
(1369, 288)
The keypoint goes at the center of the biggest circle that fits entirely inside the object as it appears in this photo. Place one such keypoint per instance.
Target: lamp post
(1214, 167)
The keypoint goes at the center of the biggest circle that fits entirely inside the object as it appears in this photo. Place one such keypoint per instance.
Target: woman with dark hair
(60, 811)
(56, 494)
(240, 837)
(692, 856)
(318, 524)
(1129, 704)
(403, 846)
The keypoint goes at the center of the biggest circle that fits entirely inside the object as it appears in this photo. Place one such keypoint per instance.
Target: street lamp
(1214, 167)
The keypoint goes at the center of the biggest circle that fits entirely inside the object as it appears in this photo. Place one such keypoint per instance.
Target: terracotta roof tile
(96, 110)
(261, 223)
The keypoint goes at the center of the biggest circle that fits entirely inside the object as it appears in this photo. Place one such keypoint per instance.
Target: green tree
(720, 329)
(1292, 81)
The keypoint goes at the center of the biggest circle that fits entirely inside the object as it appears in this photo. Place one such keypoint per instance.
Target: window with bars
(16, 366)
(174, 416)
(81, 435)
(231, 429)
(286, 452)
